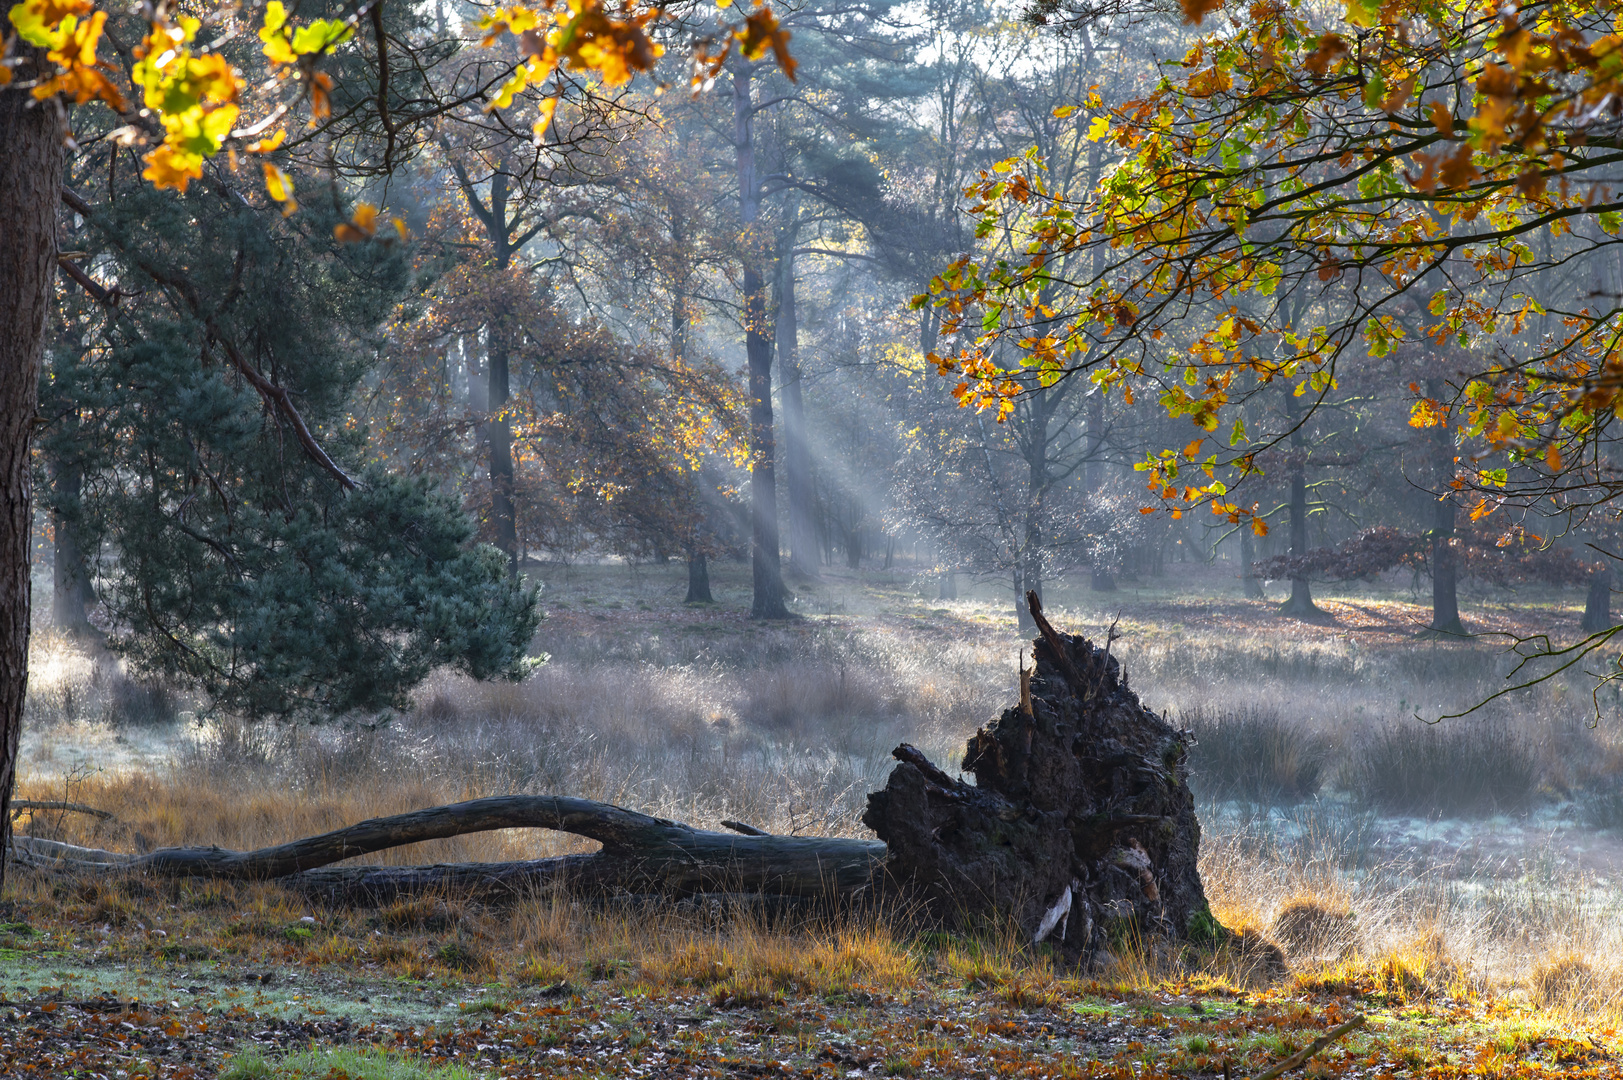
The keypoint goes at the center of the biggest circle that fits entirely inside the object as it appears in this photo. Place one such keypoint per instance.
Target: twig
(747, 830)
(72, 807)
(1312, 1048)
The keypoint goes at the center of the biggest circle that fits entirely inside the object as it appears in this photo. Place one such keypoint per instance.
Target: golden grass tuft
(1567, 982)
(1308, 926)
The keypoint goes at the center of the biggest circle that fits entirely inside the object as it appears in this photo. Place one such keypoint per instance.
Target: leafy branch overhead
(1304, 190)
(192, 94)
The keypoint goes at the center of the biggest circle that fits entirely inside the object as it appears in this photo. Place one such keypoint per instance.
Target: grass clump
(1458, 769)
(461, 956)
(1308, 926)
(320, 1064)
(1254, 755)
(1566, 981)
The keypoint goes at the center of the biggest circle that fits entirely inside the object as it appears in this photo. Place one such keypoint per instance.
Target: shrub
(1449, 769)
(145, 702)
(1601, 808)
(1254, 754)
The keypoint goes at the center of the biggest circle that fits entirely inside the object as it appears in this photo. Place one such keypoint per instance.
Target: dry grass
(699, 716)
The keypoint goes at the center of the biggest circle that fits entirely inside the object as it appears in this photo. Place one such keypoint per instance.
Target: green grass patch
(320, 1064)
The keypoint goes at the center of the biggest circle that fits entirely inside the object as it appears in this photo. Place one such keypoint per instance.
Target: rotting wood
(1079, 827)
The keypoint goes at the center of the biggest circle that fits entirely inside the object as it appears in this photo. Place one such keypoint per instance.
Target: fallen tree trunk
(1080, 826)
(641, 854)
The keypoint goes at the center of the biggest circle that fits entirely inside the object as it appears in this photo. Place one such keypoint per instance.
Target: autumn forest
(794, 538)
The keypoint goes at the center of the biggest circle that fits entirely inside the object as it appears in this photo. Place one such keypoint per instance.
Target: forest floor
(1481, 938)
(267, 992)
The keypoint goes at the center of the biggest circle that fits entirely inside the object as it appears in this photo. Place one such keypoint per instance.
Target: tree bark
(1080, 826)
(640, 854)
(30, 194)
(765, 561)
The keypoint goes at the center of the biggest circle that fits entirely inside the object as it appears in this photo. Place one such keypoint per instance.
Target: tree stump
(1080, 826)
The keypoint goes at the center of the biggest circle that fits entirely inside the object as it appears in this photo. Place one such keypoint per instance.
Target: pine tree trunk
(30, 193)
(766, 568)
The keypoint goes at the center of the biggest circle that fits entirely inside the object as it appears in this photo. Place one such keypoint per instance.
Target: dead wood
(1310, 1049)
(640, 854)
(1080, 826)
(18, 805)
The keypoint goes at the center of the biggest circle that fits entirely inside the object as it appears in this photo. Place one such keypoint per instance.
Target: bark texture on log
(641, 854)
(1080, 824)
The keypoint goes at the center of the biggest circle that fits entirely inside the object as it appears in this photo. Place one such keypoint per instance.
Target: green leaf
(1375, 91)
(320, 36)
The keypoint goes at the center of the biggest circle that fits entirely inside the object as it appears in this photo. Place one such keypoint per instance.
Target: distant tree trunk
(1248, 578)
(765, 560)
(71, 595)
(797, 453)
(30, 193)
(948, 587)
(1038, 482)
(1445, 603)
(1300, 603)
(1598, 604)
(1101, 579)
(698, 579)
(500, 430)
